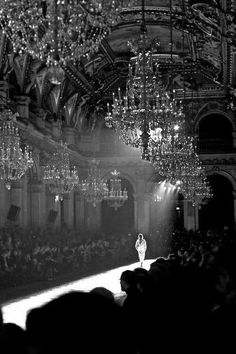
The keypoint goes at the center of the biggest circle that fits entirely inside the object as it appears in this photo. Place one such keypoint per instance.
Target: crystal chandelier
(58, 31)
(14, 160)
(178, 163)
(115, 196)
(141, 115)
(58, 174)
(196, 188)
(94, 187)
(175, 157)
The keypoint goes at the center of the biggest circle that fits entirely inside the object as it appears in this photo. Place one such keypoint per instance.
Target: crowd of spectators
(185, 302)
(30, 256)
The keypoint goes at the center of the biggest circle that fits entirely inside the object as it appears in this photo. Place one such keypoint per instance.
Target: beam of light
(16, 311)
(163, 215)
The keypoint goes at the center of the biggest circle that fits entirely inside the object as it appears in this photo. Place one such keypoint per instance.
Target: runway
(16, 311)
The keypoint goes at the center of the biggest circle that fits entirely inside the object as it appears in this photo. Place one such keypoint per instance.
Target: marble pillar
(68, 210)
(37, 204)
(22, 107)
(3, 93)
(142, 213)
(79, 213)
(56, 129)
(234, 195)
(16, 201)
(234, 138)
(191, 216)
(93, 217)
(69, 135)
(4, 203)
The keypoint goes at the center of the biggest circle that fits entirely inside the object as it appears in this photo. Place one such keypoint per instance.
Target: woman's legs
(141, 257)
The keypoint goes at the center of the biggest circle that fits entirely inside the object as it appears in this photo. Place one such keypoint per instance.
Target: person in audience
(133, 305)
(141, 247)
(100, 290)
(78, 322)
(13, 339)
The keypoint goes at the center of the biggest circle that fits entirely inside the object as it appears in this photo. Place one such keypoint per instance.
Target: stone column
(68, 209)
(3, 93)
(56, 129)
(23, 107)
(234, 195)
(234, 138)
(79, 213)
(146, 226)
(37, 204)
(135, 213)
(143, 213)
(4, 203)
(93, 217)
(191, 216)
(52, 210)
(69, 135)
(16, 201)
(41, 114)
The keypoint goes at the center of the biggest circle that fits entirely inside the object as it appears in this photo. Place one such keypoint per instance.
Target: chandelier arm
(55, 29)
(145, 133)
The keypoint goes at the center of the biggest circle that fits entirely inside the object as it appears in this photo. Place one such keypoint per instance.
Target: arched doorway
(166, 215)
(120, 221)
(215, 134)
(219, 211)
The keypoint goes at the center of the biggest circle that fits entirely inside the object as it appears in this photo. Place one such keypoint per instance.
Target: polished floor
(16, 311)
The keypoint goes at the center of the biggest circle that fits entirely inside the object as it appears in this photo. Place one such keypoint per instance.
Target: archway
(215, 134)
(219, 211)
(166, 215)
(120, 221)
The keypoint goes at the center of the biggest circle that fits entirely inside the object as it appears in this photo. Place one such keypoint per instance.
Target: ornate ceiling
(203, 37)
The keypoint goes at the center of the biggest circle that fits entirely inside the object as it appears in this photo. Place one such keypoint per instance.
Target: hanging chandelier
(141, 115)
(196, 188)
(175, 157)
(94, 187)
(58, 175)
(116, 197)
(58, 31)
(14, 159)
(179, 164)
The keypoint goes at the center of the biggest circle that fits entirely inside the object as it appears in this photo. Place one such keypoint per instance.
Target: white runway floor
(16, 311)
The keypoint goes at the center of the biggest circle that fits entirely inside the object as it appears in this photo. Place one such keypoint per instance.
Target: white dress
(141, 247)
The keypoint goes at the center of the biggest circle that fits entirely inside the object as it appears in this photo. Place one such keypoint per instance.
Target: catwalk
(16, 311)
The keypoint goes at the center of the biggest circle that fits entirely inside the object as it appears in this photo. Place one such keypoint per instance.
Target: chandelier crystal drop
(58, 175)
(15, 160)
(175, 158)
(196, 188)
(58, 31)
(94, 187)
(178, 163)
(116, 197)
(146, 110)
